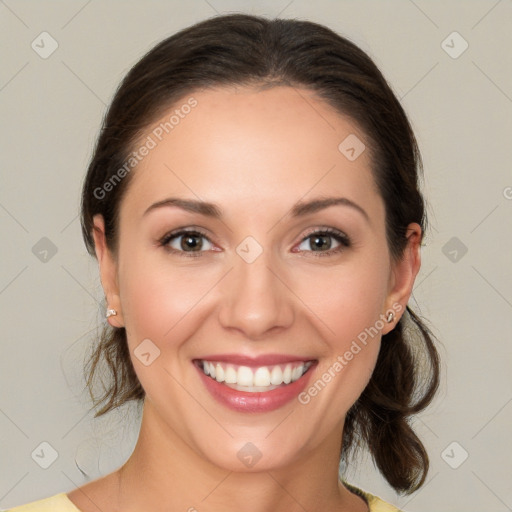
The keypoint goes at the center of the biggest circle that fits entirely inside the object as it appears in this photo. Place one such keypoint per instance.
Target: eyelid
(327, 230)
(188, 229)
(176, 233)
(342, 238)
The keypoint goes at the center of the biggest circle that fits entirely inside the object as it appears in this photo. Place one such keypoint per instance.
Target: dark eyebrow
(298, 210)
(306, 208)
(189, 205)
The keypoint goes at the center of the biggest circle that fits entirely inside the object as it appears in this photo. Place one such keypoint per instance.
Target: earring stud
(111, 312)
(390, 317)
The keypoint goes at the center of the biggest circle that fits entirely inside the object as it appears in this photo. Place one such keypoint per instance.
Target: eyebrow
(315, 205)
(299, 209)
(189, 205)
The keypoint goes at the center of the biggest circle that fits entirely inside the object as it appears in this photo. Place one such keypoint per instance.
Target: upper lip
(261, 360)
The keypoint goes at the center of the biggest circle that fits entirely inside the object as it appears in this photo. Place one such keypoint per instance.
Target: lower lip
(265, 401)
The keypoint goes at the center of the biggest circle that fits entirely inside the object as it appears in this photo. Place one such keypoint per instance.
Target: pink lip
(263, 360)
(243, 401)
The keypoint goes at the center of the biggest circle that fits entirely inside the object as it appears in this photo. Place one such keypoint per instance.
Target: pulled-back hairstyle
(248, 50)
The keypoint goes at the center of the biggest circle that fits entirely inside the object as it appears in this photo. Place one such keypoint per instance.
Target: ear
(108, 271)
(403, 275)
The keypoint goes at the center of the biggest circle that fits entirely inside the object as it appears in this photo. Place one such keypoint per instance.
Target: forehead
(252, 149)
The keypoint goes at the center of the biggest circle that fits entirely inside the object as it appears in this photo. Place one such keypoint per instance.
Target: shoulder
(375, 504)
(56, 503)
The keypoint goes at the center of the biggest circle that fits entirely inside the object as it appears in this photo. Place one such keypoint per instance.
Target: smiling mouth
(254, 379)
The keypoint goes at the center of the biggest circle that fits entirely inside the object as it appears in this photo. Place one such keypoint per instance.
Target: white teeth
(230, 375)
(219, 373)
(244, 376)
(297, 372)
(287, 374)
(262, 378)
(276, 377)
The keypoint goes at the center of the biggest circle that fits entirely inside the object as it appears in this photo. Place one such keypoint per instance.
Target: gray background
(460, 105)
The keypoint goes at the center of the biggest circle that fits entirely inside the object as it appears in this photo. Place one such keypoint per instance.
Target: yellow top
(375, 504)
(61, 503)
(57, 503)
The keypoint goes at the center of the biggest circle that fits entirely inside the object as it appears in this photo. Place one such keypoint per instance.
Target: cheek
(160, 298)
(347, 304)
(162, 303)
(348, 298)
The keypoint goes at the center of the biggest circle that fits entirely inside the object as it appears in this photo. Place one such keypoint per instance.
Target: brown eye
(191, 242)
(187, 242)
(324, 241)
(320, 242)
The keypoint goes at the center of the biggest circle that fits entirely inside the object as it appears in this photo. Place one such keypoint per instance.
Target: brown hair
(241, 49)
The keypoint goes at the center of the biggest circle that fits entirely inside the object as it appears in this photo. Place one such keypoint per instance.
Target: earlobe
(108, 273)
(403, 275)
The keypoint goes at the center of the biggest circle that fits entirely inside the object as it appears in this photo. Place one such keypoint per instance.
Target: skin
(255, 154)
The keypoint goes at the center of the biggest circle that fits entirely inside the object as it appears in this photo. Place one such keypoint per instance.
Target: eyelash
(339, 236)
(176, 234)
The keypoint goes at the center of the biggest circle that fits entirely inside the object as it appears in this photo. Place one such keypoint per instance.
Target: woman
(254, 208)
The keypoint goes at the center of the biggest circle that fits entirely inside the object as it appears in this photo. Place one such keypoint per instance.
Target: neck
(164, 473)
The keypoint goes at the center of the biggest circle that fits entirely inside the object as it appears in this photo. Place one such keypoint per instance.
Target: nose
(255, 299)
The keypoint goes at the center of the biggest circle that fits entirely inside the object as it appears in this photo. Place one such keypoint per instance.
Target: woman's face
(285, 269)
